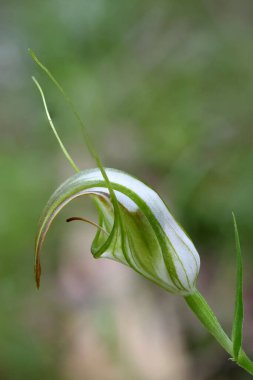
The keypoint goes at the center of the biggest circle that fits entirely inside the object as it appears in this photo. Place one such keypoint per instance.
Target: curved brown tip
(37, 272)
(87, 221)
(73, 218)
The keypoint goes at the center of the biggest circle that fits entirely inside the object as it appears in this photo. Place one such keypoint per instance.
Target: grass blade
(238, 313)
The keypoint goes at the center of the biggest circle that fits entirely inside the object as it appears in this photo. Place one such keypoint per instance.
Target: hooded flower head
(140, 232)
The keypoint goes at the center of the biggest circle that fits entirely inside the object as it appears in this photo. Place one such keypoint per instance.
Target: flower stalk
(206, 316)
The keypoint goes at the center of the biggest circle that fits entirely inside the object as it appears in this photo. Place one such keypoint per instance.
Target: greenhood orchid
(140, 233)
(136, 229)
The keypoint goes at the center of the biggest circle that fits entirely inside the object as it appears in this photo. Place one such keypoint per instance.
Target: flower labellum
(140, 233)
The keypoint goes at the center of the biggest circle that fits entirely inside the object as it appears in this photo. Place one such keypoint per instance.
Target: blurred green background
(166, 90)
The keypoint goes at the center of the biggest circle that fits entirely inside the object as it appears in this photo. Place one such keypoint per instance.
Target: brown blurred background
(166, 90)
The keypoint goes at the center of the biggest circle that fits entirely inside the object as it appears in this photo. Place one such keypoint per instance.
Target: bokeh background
(165, 89)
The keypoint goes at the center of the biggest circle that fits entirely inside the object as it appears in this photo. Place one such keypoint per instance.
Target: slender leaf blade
(238, 313)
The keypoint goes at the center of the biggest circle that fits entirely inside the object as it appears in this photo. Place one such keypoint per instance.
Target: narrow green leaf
(238, 313)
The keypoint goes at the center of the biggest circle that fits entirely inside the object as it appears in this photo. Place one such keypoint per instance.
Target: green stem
(206, 316)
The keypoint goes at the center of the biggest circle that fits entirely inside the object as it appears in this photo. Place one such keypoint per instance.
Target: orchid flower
(141, 233)
(136, 229)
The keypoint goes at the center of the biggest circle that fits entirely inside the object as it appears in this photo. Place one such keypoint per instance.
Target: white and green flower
(136, 229)
(140, 233)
